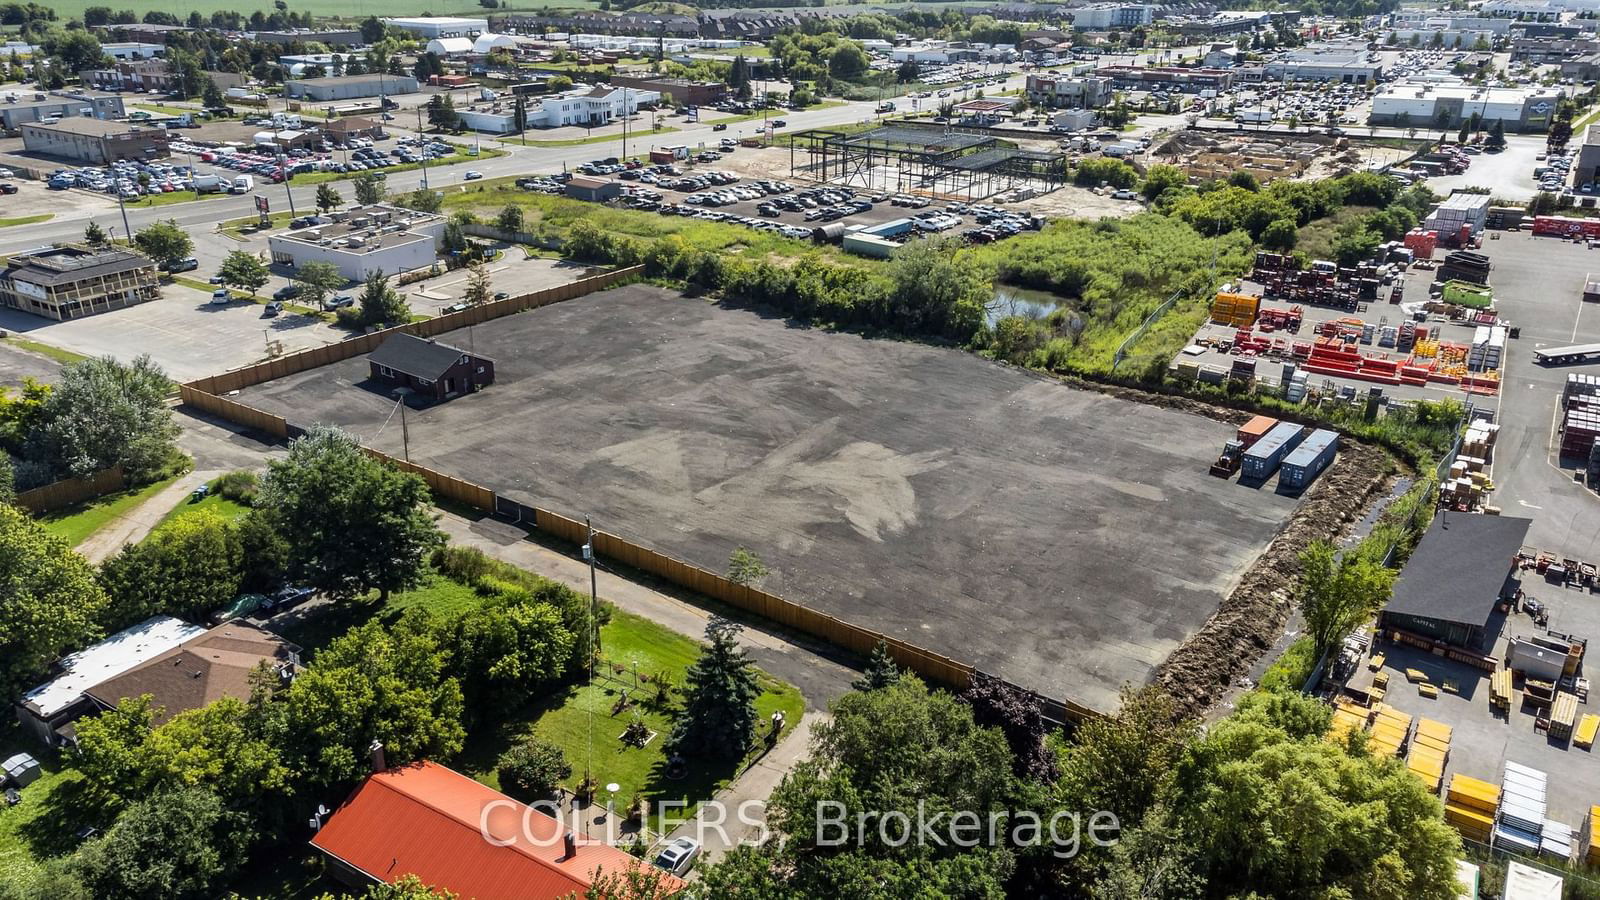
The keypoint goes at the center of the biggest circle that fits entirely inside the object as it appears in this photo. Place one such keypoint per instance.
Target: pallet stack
(1238, 310)
(1500, 690)
(1430, 750)
(1464, 266)
(1470, 806)
(1347, 717)
(1519, 821)
(1582, 387)
(1557, 841)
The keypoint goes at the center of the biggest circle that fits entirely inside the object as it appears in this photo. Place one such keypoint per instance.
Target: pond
(1015, 301)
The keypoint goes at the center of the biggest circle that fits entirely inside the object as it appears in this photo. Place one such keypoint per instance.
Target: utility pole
(121, 206)
(405, 432)
(594, 601)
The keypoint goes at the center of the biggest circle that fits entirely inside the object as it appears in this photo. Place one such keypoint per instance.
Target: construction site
(1207, 155)
(931, 161)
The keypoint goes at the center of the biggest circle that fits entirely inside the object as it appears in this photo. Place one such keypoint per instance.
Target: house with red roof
(459, 835)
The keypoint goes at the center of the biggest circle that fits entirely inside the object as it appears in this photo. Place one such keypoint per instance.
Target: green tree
(370, 684)
(1162, 178)
(1462, 135)
(316, 281)
(186, 568)
(507, 648)
(532, 769)
(369, 189)
(382, 304)
(899, 750)
(1280, 236)
(510, 218)
(243, 269)
(177, 844)
(103, 413)
(354, 523)
(164, 242)
(94, 235)
(880, 672)
(8, 479)
(328, 198)
(51, 603)
(423, 200)
(1269, 813)
(75, 51)
(442, 113)
(938, 290)
(908, 72)
(1497, 136)
(1243, 179)
(745, 567)
(720, 691)
(211, 96)
(479, 288)
(1337, 592)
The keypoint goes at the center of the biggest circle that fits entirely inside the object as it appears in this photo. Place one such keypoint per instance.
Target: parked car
(187, 264)
(272, 309)
(8, 188)
(678, 856)
(340, 301)
(285, 597)
(221, 297)
(287, 292)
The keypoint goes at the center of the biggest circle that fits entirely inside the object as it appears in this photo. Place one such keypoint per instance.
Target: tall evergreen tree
(720, 690)
(880, 671)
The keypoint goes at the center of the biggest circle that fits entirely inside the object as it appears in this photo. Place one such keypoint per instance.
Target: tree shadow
(70, 809)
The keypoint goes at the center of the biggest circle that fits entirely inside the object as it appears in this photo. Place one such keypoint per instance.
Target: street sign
(265, 209)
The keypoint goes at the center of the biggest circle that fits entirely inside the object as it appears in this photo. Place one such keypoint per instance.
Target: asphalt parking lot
(1014, 512)
(181, 331)
(17, 365)
(512, 274)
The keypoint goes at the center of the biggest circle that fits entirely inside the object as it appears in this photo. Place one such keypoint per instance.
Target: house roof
(1459, 568)
(435, 823)
(67, 265)
(204, 668)
(109, 658)
(417, 357)
(346, 125)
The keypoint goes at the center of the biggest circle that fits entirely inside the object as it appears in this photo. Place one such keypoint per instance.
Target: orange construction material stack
(1238, 310)
(1389, 731)
(1430, 749)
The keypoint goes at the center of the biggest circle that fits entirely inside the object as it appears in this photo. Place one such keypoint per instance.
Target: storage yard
(1014, 511)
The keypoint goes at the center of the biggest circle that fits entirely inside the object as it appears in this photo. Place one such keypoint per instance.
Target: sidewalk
(819, 678)
(132, 527)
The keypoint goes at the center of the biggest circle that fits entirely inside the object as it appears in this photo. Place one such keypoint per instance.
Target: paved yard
(981, 512)
(182, 331)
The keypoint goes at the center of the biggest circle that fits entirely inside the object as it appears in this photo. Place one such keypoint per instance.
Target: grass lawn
(579, 718)
(164, 110)
(65, 357)
(245, 297)
(437, 594)
(52, 810)
(597, 139)
(76, 523)
(170, 198)
(222, 506)
(240, 229)
(27, 220)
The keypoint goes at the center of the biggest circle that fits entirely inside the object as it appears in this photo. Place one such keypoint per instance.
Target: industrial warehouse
(950, 163)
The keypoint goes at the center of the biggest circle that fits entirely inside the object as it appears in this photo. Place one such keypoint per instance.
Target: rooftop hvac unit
(313, 235)
(354, 242)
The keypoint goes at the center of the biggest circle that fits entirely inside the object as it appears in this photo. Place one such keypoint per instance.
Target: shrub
(465, 564)
(348, 317)
(239, 486)
(533, 768)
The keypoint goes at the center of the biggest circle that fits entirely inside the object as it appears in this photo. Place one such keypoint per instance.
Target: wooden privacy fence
(203, 394)
(359, 345)
(71, 490)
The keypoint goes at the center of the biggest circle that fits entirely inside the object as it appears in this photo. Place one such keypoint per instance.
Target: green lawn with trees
(76, 523)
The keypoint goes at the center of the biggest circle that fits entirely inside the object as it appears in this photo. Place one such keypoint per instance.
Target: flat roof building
(1347, 65)
(349, 87)
(1449, 105)
(50, 704)
(63, 105)
(364, 239)
(430, 27)
(94, 141)
(73, 281)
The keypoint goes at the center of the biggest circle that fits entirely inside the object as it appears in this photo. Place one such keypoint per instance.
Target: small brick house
(433, 370)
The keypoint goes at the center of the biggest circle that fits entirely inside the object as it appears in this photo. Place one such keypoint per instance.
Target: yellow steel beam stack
(1430, 748)
(1469, 805)
(1238, 310)
(1586, 731)
(1389, 731)
(1591, 841)
(1347, 717)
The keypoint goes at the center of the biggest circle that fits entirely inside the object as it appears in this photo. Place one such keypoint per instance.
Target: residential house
(429, 369)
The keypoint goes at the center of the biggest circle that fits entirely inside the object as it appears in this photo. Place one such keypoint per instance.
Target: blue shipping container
(1262, 459)
(1301, 467)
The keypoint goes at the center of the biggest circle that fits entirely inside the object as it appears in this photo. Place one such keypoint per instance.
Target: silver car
(678, 856)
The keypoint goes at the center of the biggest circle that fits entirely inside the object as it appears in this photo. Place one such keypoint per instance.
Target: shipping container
(1306, 462)
(1253, 430)
(1262, 459)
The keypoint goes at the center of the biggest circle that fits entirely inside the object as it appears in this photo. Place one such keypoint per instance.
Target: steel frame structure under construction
(939, 162)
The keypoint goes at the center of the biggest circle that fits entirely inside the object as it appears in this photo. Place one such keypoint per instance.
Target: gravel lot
(978, 511)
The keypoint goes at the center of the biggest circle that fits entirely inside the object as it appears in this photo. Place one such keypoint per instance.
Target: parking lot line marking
(1575, 320)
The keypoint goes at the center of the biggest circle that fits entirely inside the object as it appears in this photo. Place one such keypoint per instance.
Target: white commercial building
(1426, 105)
(1350, 65)
(1435, 20)
(129, 50)
(350, 87)
(1107, 16)
(450, 46)
(363, 240)
(430, 27)
(590, 107)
